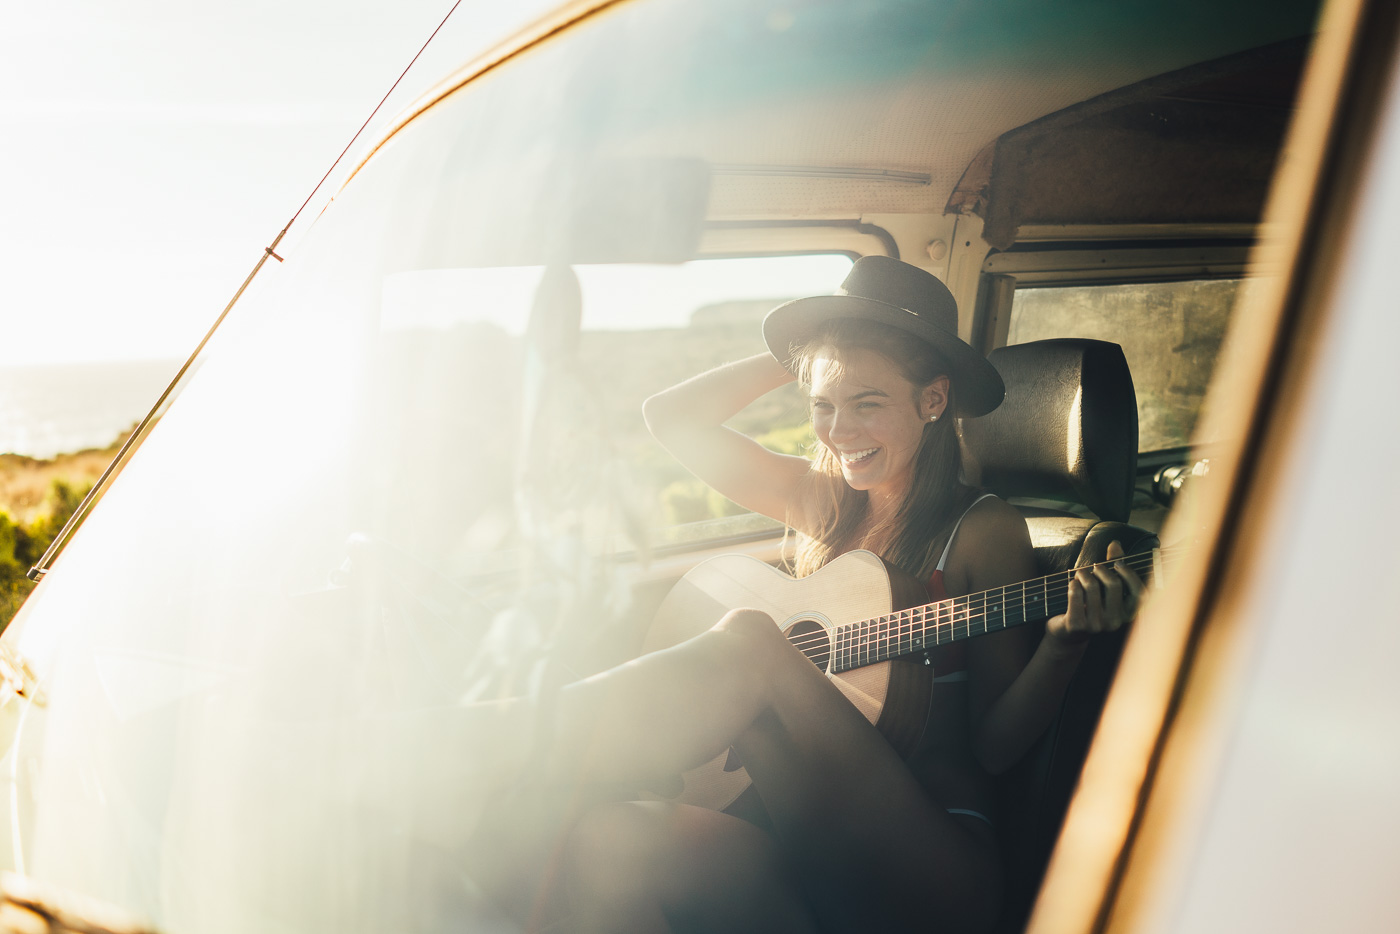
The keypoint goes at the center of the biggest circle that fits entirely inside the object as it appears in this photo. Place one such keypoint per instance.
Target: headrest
(1067, 431)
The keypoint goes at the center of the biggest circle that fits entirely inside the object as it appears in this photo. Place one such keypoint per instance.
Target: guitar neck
(921, 628)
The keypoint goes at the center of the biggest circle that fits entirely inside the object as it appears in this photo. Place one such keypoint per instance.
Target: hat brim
(790, 325)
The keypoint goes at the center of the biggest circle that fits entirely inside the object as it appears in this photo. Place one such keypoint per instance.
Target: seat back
(1067, 429)
(1065, 438)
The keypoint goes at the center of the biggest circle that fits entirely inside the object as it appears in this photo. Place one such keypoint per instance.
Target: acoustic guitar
(862, 621)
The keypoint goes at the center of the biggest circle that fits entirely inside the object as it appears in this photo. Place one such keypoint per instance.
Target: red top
(936, 589)
(947, 659)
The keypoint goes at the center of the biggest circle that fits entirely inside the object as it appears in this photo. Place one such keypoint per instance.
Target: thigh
(848, 815)
(869, 845)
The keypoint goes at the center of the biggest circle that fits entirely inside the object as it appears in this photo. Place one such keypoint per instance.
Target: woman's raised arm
(688, 420)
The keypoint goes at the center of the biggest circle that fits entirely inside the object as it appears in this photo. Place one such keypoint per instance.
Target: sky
(150, 150)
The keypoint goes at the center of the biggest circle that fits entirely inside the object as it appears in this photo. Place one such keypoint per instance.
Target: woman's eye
(868, 405)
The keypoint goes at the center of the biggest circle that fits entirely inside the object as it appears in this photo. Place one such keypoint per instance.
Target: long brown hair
(917, 532)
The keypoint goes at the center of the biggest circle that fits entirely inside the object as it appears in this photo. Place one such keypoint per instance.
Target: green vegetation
(23, 543)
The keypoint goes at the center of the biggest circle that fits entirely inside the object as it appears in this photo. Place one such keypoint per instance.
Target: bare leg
(868, 846)
(654, 867)
(871, 847)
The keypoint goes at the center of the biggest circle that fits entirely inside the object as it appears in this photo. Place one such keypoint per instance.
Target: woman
(858, 838)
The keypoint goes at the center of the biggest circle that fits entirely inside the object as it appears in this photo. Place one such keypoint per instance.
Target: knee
(752, 630)
(750, 641)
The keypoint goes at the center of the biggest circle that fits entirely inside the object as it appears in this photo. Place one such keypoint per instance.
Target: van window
(1170, 332)
(644, 328)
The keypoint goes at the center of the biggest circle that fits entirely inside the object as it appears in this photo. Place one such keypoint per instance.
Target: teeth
(854, 456)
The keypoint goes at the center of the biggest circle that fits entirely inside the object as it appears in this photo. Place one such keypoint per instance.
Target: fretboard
(921, 628)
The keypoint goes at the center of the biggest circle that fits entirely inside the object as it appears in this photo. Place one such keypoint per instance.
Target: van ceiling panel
(1194, 147)
(840, 110)
(922, 88)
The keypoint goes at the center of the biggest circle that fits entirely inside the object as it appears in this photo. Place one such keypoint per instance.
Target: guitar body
(859, 585)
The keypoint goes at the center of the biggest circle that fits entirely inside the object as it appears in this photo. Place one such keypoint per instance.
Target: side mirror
(1168, 482)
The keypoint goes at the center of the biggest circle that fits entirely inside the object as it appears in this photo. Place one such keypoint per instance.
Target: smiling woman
(886, 372)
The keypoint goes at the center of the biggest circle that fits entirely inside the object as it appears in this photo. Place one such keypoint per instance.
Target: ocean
(61, 408)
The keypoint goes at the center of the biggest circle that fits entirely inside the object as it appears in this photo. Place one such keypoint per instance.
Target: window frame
(1071, 264)
(1067, 264)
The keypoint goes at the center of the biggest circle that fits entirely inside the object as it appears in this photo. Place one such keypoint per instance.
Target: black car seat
(1062, 447)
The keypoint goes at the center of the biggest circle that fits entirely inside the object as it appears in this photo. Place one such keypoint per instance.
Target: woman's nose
(842, 425)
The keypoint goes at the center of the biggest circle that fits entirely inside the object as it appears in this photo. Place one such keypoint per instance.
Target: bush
(23, 544)
(795, 439)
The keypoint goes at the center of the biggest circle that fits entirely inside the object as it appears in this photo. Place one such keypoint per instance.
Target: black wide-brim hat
(886, 290)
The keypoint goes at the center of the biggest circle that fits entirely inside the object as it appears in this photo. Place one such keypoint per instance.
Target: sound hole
(811, 638)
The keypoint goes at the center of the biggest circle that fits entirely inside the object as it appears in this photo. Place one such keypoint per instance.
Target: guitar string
(937, 623)
(965, 612)
(954, 618)
(955, 608)
(961, 614)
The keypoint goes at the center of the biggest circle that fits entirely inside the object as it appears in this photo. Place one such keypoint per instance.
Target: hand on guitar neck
(1119, 590)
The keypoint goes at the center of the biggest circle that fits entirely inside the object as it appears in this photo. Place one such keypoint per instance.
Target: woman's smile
(871, 419)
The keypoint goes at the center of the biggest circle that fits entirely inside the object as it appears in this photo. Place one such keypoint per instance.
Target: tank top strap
(947, 549)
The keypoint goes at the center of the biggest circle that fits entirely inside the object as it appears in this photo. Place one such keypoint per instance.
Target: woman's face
(872, 419)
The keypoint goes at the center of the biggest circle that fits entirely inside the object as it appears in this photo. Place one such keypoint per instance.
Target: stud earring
(933, 418)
